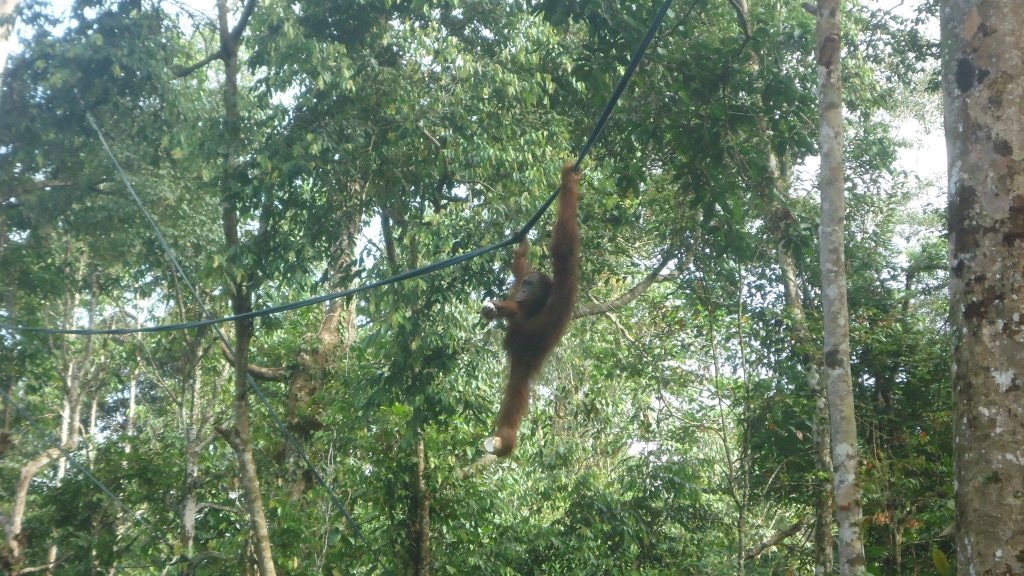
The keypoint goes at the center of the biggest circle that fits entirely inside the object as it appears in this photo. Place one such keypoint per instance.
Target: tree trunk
(12, 540)
(823, 543)
(73, 363)
(419, 513)
(983, 85)
(241, 286)
(819, 420)
(804, 344)
(129, 416)
(195, 415)
(240, 441)
(835, 317)
(334, 337)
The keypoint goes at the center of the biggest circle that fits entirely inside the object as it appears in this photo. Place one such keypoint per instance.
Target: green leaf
(941, 563)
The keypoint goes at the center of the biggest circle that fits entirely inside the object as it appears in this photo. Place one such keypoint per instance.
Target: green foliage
(665, 437)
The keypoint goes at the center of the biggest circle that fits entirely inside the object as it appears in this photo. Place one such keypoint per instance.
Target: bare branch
(476, 467)
(43, 567)
(243, 20)
(389, 240)
(628, 297)
(775, 539)
(187, 70)
(740, 6)
(257, 372)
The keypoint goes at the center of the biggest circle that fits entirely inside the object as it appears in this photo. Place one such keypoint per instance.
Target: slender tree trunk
(419, 513)
(12, 541)
(74, 362)
(195, 425)
(241, 295)
(743, 462)
(839, 385)
(983, 85)
(733, 463)
(189, 503)
(804, 345)
(819, 420)
(66, 425)
(129, 416)
(239, 438)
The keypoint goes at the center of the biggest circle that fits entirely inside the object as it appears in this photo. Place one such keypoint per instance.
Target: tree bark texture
(983, 87)
(835, 315)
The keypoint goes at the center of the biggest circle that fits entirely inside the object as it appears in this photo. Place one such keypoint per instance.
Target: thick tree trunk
(983, 84)
(838, 380)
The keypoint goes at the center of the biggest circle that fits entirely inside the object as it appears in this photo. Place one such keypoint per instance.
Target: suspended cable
(273, 309)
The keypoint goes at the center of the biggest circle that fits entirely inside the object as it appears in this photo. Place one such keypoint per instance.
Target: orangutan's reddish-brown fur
(537, 311)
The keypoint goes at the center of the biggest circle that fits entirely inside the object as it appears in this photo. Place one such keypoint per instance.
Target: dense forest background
(287, 150)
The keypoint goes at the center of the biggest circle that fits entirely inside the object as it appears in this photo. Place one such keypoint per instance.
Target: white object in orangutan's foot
(492, 444)
(489, 311)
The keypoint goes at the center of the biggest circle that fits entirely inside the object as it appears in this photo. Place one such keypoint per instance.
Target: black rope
(273, 309)
(428, 269)
(157, 534)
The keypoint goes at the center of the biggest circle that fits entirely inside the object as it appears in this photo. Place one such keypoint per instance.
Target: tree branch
(43, 567)
(389, 240)
(475, 468)
(634, 293)
(740, 6)
(257, 372)
(234, 510)
(185, 71)
(775, 539)
(243, 20)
